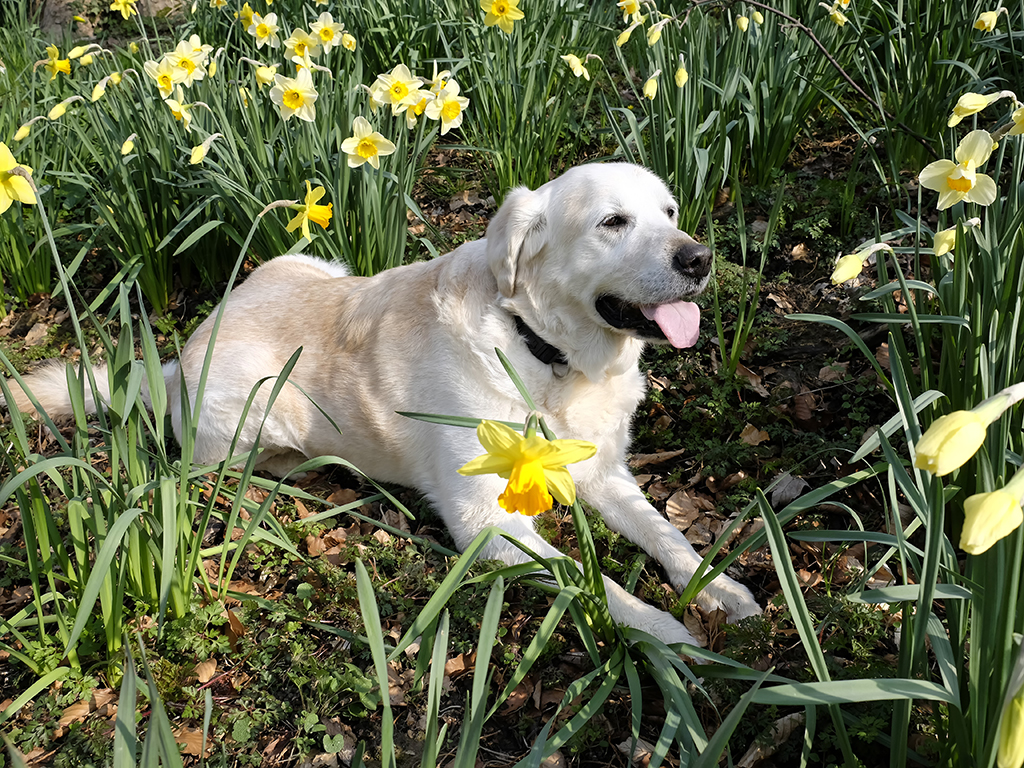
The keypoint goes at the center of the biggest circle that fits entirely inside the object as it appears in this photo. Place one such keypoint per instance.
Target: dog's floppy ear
(515, 235)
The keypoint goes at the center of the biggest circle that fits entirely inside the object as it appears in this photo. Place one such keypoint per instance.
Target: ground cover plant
(847, 440)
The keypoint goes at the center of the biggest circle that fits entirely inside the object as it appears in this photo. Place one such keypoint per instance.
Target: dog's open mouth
(677, 322)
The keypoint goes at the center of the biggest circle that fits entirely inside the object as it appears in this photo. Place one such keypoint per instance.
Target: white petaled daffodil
(448, 107)
(399, 88)
(295, 95)
(165, 74)
(187, 62)
(327, 31)
(301, 44)
(365, 145)
(265, 29)
(960, 180)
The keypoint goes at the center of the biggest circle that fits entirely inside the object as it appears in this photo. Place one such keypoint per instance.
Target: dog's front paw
(730, 596)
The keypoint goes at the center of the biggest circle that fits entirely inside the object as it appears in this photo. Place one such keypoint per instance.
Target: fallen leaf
(191, 740)
(205, 670)
(36, 334)
(786, 488)
(342, 496)
(762, 748)
(75, 713)
(834, 372)
(315, 546)
(459, 664)
(641, 753)
(681, 510)
(641, 460)
(751, 435)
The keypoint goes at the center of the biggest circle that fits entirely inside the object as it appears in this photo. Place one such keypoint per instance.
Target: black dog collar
(546, 353)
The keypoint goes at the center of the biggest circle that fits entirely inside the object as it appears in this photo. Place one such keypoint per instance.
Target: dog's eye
(671, 212)
(615, 221)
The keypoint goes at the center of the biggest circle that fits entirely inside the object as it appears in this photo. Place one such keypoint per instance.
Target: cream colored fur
(422, 338)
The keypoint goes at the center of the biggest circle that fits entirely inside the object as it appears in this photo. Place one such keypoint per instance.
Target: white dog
(571, 281)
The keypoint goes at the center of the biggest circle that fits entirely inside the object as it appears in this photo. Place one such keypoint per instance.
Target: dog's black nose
(692, 259)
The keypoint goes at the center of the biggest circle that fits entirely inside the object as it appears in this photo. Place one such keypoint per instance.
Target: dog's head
(598, 249)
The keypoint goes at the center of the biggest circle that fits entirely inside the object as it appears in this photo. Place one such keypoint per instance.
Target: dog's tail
(49, 386)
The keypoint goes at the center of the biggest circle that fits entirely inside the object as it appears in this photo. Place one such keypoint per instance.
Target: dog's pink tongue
(679, 321)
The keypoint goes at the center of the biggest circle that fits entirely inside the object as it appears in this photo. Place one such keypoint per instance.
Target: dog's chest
(586, 410)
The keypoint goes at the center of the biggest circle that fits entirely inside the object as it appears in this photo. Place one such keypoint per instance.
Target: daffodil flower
(348, 42)
(1017, 118)
(960, 180)
(365, 145)
(129, 144)
(413, 113)
(302, 44)
(199, 152)
(945, 241)
(125, 7)
(629, 8)
(244, 16)
(534, 467)
(265, 29)
(1011, 733)
(399, 88)
(55, 64)
(651, 86)
(681, 75)
(438, 79)
(849, 266)
(623, 37)
(576, 66)
(837, 16)
(654, 33)
(311, 211)
(58, 110)
(972, 103)
(218, 3)
(327, 31)
(187, 64)
(758, 17)
(448, 107)
(295, 95)
(953, 439)
(742, 23)
(986, 22)
(989, 517)
(13, 187)
(165, 74)
(504, 13)
(182, 112)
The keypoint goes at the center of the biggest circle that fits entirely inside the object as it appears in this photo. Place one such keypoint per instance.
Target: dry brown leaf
(457, 665)
(640, 460)
(342, 496)
(641, 754)
(760, 750)
(399, 683)
(752, 379)
(834, 372)
(382, 536)
(681, 510)
(315, 546)
(302, 510)
(205, 670)
(75, 713)
(520, 696)
(192, 740)
(751, 435)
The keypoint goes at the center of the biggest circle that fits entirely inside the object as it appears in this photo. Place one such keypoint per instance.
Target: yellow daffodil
(623, 37)
(629, 8)
(301, 44)
(950, 442)
(534, 467)
(218, 3)
(399, 88)
(758, 17)
(244, 16)
(265, 75)
(327, 31)
(576, 66)
(125, 7)
(86, 60)
(165, 74)
(295, 95)
(970, 104)
(77, 51)
(849, 266)
(654, 33)
(986, 22)
(182, 112)
(59, 109)
(310, 211)
(55, 64)
(504, 13)
(129, 144)
(681, 75)
(742, 23)
(365, 145)
(438, 79)
(348, 42)
(413, 113)
(960, 180)
(834, 13)
(198, 154)
(13, 187)
(133, 47)
(1011, 733)
(945, 241)
(22, 133)
(448, 107)
(1017, 117)
(265, 29)
(989, 517)
(651, 86)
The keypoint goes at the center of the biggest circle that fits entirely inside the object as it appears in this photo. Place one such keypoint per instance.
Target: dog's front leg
(474, 506)
(621, 503)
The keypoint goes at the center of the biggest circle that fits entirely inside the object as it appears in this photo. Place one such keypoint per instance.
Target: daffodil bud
(986, 21)
(681, 75)
(651, 87)
(86, 60)
(944, 241)
(742, 22)
(129, 145)
(847, 268)
(22, 133)
(57, 111)
(77, 51)
(198, 155)
(1011, 734)
(99, 90)
(758, 17)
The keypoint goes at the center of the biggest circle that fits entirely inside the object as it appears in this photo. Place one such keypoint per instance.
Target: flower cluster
(634, 19)
(439, 98)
